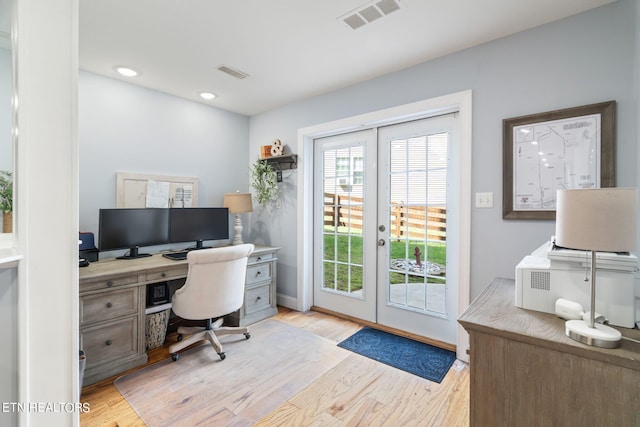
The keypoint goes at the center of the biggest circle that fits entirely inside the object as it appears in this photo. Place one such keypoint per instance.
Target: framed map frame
(561, 149)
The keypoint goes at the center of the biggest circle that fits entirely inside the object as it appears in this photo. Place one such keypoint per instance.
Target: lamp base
(237, 231)
(598, 336)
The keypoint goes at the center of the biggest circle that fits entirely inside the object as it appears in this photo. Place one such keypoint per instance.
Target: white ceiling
(291, 49)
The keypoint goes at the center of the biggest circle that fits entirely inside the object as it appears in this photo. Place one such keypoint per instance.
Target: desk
(113, 300)
(524, 371)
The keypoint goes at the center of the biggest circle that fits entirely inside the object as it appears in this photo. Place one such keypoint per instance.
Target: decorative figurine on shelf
(417, 254)
(277, 148)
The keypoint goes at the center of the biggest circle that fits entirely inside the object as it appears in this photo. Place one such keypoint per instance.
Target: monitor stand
(133, 254)
(199, 245)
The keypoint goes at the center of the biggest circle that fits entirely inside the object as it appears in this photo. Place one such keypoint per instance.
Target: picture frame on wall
(562, 149)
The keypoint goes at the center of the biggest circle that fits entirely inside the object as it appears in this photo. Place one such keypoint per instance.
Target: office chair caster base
(247, 335)
(222, 356)
(175, 357)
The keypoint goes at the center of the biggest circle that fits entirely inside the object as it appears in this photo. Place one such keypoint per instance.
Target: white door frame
(460, 101)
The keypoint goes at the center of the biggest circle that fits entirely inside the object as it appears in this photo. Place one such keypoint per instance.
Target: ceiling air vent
(369, 12)
(388, 6)
(233, 72)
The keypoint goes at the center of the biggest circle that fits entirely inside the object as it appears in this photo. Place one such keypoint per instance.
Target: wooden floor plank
(362, 391)
(356, 391)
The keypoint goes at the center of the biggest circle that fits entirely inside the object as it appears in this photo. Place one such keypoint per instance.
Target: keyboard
(176, 256)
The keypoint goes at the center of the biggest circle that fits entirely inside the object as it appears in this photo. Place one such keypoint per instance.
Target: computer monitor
(198, 224)
(130, 228)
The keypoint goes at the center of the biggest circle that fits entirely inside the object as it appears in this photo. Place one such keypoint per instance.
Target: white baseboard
(287, 301)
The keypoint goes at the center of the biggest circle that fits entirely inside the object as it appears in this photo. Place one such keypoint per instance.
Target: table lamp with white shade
(238, 203)
(602, 219)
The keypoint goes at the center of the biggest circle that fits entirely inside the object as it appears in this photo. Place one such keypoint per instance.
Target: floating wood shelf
(289, 161)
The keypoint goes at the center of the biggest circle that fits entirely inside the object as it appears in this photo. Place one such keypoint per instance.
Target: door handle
(381, 242)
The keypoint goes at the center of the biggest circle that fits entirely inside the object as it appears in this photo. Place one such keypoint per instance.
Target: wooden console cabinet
(524, 371)
(113, 301)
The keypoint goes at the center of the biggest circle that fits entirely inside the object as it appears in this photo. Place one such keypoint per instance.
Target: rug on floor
(423, 360)
(256, 377)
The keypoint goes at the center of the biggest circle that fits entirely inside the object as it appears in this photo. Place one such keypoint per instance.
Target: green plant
(264, 182)
(6, 191)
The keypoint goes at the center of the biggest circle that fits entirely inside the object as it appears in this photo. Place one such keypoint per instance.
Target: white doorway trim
(460, 101)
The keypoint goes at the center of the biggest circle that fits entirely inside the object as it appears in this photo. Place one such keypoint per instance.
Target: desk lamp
(603, 219)
(238, 203)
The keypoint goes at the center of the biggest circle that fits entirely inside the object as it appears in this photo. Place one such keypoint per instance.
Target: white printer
(550, 273)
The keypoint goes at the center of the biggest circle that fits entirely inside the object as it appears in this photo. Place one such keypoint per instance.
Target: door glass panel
(342, 252)
(7, 85)
(417, 223)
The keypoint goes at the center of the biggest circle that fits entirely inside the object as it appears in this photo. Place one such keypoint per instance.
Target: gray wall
(581, 60)
(126, 128)
(9, 336)
(637, 121)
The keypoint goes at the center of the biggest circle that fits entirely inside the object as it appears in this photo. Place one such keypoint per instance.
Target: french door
(344, 224)
(416, 292)
(382, 200)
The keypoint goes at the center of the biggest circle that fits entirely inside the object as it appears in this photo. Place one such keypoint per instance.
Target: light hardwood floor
(356, 392)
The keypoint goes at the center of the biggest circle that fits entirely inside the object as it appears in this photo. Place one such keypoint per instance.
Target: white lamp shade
(238, 202)
(602, 219)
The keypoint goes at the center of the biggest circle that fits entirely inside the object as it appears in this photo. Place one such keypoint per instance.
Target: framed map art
(562, 149)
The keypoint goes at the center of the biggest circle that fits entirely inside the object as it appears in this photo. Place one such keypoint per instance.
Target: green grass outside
(349, 250)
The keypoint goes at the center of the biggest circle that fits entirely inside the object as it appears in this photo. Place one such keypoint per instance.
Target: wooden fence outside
(414, 222)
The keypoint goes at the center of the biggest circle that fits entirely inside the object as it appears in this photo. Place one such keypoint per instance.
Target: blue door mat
(423, 360)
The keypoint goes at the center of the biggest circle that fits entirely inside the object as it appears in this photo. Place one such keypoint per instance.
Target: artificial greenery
(264, 182)
(6, 192)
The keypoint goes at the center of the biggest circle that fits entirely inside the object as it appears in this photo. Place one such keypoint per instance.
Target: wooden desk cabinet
(113, 302)
(524, 371)
(260, 288)
(112, 311)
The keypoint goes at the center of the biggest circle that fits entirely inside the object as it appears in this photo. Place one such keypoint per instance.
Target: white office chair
(214, 288)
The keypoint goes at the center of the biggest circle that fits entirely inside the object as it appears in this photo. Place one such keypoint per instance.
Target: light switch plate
(484, 200)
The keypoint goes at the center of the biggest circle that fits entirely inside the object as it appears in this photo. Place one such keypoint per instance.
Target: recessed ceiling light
(207, 95)
(126, 71)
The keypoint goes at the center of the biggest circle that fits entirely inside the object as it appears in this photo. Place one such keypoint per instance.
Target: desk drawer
(260, 258)
(258, 273)
(256, 299)
(168, 274)
(115, 340)
(108, 284)
(108, 305)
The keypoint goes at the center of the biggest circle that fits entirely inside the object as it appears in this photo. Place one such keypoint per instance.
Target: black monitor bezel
(216, 214)
(160, 237)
